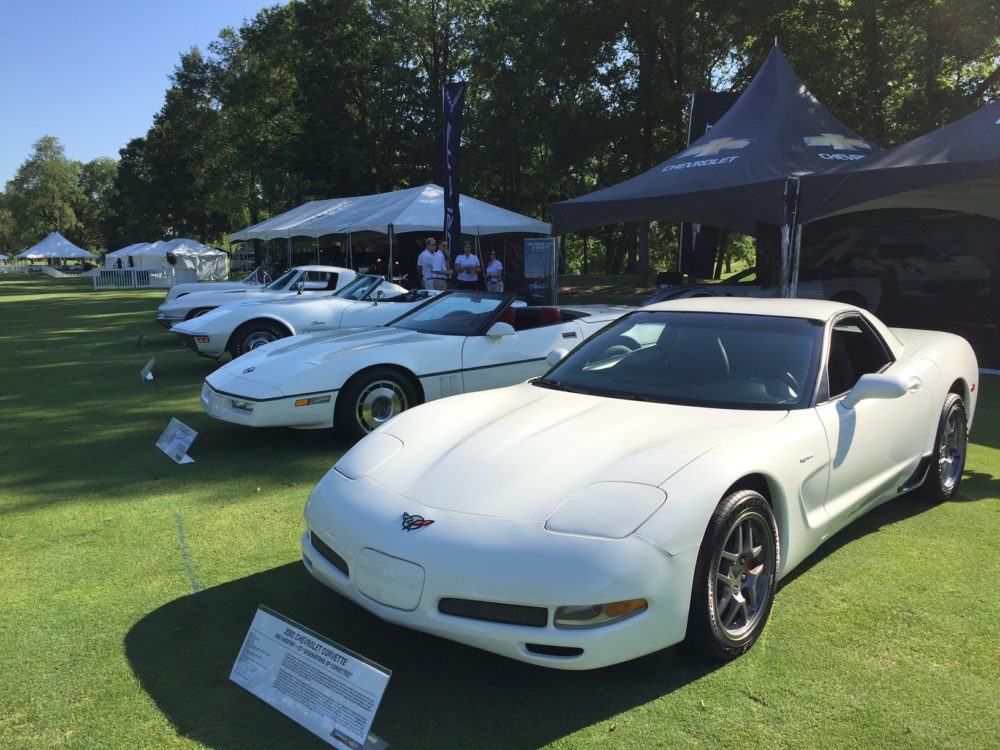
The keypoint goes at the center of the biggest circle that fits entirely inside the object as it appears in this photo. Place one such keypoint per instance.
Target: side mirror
(556, 356)
(874, 386)
(299, 285)
(500, 329)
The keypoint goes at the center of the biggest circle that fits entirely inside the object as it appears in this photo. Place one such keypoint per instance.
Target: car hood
(520, 452)
(340, 354)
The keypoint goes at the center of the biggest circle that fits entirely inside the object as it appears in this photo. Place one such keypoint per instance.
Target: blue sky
(92, 73)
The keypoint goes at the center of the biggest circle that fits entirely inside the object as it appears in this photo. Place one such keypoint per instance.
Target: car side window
(855, 350)
(317, 280)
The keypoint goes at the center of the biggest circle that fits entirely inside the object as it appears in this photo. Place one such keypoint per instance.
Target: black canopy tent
(743, 172)
(956, 167)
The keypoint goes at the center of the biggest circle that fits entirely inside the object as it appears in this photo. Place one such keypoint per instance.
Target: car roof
(787, 308)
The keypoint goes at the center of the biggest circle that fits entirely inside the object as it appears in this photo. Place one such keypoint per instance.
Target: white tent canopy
(55, 247)
(209, 264)
(123, 253)
(419, 209)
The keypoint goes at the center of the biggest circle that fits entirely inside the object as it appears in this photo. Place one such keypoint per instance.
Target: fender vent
(508, 614)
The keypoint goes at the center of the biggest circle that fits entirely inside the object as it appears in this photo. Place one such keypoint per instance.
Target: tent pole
(796, 257)
(789, 221)
(289, 248)
(350, 252)
(389, 273)
(317, 250)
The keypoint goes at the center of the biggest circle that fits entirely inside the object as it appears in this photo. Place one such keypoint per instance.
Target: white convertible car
(356, 379)
(308, 279)
(654, 485)
(241, 326)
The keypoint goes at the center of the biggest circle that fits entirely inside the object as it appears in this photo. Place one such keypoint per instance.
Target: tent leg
(789, 222)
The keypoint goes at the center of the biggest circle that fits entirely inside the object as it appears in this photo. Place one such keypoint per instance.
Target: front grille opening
(324, 549)
(544, 650)
(508, 614)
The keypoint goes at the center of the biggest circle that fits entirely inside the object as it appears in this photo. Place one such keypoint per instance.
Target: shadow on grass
(441, 694)
(976, 486)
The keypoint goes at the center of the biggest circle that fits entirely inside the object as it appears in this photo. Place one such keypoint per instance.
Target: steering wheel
(776, 382)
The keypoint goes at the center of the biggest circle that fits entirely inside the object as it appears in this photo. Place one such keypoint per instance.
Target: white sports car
(256, 279)
(356, 379)
(241, 326)
(310, 279)
(655, 484)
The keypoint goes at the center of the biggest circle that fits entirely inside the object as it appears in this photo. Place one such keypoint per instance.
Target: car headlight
(367, 455)
(610, 510)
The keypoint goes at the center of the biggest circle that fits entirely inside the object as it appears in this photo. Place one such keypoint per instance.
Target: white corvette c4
(358, 378)
(654, 485)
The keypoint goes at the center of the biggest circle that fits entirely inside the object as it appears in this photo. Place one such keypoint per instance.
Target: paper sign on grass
(175, 441)
(328, 689)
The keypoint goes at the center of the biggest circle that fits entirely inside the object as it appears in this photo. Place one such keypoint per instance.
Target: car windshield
(283, 281)
(454, 314)
(359, 288)
(257, 277)
(697, 359)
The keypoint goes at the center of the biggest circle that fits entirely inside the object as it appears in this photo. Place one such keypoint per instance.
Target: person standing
(468, 268)
(440, 270)
(494, 274)
(425, 263)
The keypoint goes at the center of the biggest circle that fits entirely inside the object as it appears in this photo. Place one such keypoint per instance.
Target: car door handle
(914, 385)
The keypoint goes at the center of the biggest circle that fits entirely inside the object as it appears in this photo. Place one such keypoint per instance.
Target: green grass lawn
(127, 583)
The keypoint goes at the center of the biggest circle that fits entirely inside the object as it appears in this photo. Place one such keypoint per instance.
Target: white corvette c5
(654, 485)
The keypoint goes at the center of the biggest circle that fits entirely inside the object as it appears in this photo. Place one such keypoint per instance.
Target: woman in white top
(494, 274)
(467, 268)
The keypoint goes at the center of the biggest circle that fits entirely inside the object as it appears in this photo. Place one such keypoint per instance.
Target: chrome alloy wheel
(378, 402)
(259, 338)
(951, 449)
(744, 573)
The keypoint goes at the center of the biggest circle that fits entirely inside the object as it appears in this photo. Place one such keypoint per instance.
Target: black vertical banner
(454, 104)
(700, 242)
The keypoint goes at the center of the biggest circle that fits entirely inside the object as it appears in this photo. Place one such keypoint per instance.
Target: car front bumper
(511, 567)
(279, 411)
(167, 321)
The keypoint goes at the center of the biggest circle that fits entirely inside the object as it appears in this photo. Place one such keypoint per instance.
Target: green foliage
(43, 195)
(320, 98)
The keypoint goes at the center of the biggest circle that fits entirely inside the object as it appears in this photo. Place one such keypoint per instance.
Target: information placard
(328, 689)
(146, 373)
(175, 441)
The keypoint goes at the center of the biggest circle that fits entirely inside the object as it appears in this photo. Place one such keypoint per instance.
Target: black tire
(251, 335)
(950, 447)
(371, 398)
(740, 546)
(198, 312)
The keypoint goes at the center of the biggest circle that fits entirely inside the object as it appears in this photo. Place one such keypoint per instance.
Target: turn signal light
(595, 615)
(313, 400)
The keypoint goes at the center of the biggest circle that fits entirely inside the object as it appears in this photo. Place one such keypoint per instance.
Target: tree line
(325, 98)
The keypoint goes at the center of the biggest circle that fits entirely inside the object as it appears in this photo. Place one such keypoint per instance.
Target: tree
(43, 193)
(97, 189)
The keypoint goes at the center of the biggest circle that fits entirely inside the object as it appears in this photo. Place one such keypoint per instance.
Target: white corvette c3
(239, 327)
(291, 284)
(654, 485)
(357, 378)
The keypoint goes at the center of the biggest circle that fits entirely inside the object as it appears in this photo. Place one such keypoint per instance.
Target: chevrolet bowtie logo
(715, 146)
(836, 142)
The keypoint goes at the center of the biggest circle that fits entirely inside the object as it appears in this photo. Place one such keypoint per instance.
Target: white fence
(10, 268)
(139, 278)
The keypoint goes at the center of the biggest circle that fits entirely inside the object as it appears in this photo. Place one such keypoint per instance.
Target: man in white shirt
(425, 262)
(440, 270)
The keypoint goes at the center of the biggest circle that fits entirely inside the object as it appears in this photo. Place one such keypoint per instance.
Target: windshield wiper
(555, 385)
